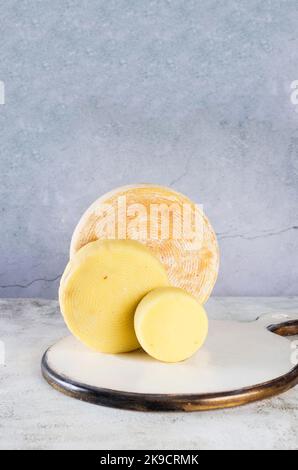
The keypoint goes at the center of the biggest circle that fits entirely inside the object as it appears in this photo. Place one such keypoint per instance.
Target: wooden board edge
(175, 402)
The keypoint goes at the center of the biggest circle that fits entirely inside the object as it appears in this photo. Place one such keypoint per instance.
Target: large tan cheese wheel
(190, 266)
(101, 288)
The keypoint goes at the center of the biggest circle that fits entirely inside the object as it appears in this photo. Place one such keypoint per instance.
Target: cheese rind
(190, 267)
(101, 288)
(170, 324)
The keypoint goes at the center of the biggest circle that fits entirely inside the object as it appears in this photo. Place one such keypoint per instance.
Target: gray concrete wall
(191, 94)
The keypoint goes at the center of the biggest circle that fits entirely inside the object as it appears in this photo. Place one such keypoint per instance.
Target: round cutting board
(239, 363)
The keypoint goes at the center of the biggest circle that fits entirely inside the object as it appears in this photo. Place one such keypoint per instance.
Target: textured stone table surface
(35, 416)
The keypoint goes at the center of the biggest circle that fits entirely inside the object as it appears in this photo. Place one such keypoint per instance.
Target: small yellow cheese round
(170, 324)
(101, 288)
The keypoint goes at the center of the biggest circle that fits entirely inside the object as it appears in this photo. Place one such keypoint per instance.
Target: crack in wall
(183, 174)
(222, 236)
(25, 286)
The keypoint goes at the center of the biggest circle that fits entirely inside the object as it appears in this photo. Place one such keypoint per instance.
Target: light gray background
(190, 94)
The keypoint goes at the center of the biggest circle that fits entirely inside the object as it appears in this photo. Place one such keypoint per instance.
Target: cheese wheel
(101, 288)
(133, 212)
(170, 324)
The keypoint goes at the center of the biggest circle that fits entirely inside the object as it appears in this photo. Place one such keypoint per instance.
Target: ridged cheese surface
(190, 267)
(101, 288)
(170, 324)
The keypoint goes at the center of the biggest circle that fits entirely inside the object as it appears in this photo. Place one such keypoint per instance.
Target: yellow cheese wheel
(101, 288)
(139, 212)
(170, 324)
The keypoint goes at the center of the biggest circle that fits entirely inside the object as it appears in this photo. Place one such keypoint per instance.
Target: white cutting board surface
(235, 355)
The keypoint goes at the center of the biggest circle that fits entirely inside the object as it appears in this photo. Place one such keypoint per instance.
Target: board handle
(283, 324)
